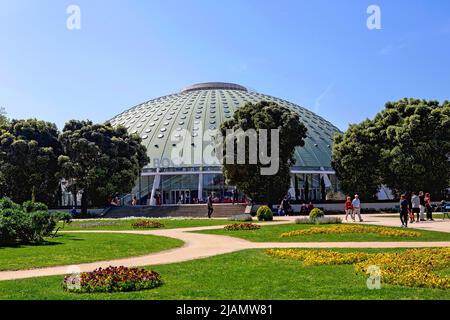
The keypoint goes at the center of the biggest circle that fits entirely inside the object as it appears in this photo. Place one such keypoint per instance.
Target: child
(349, 209)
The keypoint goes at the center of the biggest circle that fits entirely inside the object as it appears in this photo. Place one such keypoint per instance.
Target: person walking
(134, 202)
(357, 207)
(209, 202)
(236, 196)
(349, 209)
(404, 205)
(422, 205)
(429, 207)
(415, 205)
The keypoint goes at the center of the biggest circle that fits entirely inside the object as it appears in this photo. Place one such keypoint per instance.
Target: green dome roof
(206, 106)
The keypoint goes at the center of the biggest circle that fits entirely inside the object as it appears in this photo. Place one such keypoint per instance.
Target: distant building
(204, 107)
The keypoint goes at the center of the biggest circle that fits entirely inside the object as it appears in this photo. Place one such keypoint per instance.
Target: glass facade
(188, 188)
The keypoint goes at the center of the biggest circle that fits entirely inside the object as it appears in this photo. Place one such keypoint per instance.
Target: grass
(125, 224)
(249, 275)
(273, 234)
(80, 248)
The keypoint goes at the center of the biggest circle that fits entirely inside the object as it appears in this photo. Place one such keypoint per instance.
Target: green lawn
(79, 248)
(125, 224)
(273, 234)
(248, 275)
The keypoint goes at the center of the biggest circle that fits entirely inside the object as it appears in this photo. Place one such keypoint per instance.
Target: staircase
(189, 210)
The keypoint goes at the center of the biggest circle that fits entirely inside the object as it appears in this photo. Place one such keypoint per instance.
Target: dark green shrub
(26, 224)
(264, 214)
(15, 225)
(30, 206)
(316, 213)
(7, 203)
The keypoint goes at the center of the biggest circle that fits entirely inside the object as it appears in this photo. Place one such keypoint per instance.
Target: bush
(242, 217)
(22, 224)
(112, 279)
(316, 213)
(7, 203)
(264, 213)
(30, 206)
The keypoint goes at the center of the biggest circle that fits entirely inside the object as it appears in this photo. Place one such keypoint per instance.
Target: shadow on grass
(41, 244)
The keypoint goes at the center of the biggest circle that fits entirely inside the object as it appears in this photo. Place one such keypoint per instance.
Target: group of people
(285, 208)
(114, 201)
(419, 205)
(353, 208)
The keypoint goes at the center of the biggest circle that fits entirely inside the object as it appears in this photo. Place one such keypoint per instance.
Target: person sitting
(442, 206)
(310, 207)
(303, 209)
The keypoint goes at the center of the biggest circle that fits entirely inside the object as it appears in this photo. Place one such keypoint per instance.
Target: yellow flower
(411, 268)
(341, 229)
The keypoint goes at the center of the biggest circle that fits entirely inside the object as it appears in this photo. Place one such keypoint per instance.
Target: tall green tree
(3, 119)
(29, 151)
(100, 160)
(405, 147)
(247, 177)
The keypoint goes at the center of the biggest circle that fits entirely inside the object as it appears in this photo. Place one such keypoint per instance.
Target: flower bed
(112, 279)
(316, 257)
(147, 224)
(341, 229)
(242, 226)
(323, 220)
(411, 268)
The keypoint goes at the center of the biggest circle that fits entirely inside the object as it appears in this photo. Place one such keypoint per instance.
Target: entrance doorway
(180, 197)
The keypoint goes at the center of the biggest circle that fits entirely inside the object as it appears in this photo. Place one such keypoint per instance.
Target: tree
(355, 158)
(405, 147)
(29, 151)
(247, 177)
(100, 160)
(3, 120)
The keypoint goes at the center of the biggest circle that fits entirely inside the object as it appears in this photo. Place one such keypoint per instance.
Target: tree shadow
(49, 242)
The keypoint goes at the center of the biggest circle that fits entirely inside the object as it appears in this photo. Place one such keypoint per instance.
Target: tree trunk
(84, 204)
(33, 194)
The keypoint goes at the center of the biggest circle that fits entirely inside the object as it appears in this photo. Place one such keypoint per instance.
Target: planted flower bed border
(242, 226)
(112, 279)
(345, 229)
(147, 224)
(411, 268)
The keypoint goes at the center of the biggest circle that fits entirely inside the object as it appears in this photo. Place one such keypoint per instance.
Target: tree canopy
(3, 119)
(29, 151)
(405, 147)
(100, 160)
(248, 178)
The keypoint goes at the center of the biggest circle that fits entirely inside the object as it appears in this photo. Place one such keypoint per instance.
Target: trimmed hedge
(316, 213)
(264, 213)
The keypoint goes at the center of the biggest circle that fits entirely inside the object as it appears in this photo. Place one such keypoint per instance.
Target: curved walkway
(199, 246)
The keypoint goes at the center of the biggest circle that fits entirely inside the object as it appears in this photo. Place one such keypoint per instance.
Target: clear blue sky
(318, 54)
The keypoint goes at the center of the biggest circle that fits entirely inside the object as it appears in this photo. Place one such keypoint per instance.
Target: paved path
(199, 246)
